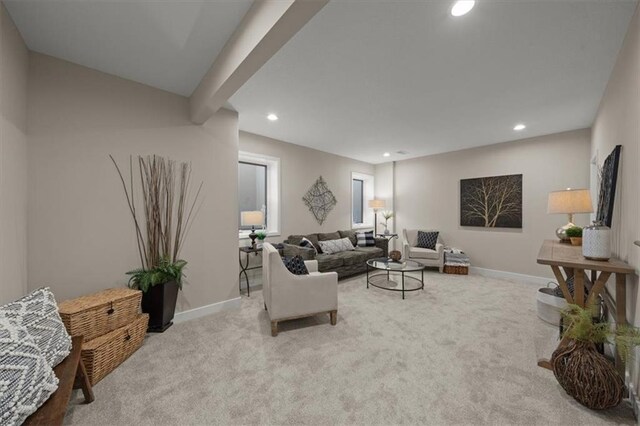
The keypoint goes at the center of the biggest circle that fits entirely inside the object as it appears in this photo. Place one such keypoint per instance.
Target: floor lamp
(376, 205)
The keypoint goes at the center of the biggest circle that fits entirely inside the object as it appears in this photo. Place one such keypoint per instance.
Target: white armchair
(288, 296)
(425, 256)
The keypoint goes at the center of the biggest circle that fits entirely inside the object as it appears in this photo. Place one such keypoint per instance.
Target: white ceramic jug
(596, 241)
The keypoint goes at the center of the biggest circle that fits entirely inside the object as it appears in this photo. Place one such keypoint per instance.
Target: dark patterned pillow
(366, 239)
(428, 240)
(305, 242)
(38, 313)
(26, 379)
(295, 265)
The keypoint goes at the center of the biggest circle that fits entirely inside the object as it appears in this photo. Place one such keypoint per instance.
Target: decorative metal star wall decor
(320, 200)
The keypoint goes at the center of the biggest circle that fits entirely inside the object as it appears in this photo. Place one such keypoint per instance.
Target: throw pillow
(308, 244)
(366, 239)
(38, 313)
(26, 379)
(336, 246)
(296, 265)
(428, 240)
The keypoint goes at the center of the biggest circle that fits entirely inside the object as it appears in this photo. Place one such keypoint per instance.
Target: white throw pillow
(38, 313)
(336, 246)
(26, 379)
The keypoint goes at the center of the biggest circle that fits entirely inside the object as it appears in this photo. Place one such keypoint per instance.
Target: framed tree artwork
(491, 202)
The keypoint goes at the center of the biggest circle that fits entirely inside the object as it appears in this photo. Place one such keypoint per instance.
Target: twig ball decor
(587, 376)
(395, 255)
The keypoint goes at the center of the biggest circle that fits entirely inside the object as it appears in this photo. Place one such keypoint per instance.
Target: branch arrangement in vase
(162, 217)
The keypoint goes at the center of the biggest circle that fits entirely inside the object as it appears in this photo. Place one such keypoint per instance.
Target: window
(357, 192)
(252, 190)
(259, 190)
(361, 193)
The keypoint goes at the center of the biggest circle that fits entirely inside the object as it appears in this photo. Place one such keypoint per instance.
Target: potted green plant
(575, 235)
(581, 370)
(261, 235)
(161, 223)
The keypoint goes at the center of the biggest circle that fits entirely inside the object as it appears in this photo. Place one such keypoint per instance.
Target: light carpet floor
(463, 351)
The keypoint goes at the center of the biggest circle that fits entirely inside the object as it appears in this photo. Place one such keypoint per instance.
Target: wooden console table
(560, 255)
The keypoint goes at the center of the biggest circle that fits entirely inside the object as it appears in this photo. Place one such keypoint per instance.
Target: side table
(389, 237)
(244, 268)
(247, 250)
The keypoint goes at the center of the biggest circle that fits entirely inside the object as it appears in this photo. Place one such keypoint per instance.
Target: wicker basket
(102, 355)
(458, 270)
(97, 314)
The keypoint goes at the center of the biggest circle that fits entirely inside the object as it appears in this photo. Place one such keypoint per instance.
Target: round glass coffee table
(383, 279)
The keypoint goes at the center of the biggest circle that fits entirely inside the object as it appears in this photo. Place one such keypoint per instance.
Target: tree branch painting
(491, 202)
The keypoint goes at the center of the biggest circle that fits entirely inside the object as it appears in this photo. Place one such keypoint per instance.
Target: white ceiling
(166, 44)
(364, 78)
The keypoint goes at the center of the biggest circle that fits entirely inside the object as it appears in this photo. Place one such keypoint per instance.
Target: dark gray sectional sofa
(345, 263)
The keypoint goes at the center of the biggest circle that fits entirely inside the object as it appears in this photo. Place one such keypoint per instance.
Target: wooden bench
(71, 375)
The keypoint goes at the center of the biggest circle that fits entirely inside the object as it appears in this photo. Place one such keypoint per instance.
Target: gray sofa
(345, 263)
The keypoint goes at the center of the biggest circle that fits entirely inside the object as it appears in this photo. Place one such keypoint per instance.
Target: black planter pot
(160, 303)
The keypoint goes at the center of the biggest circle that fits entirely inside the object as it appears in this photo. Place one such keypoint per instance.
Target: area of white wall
(14, 62)
(618, 123)
(299, 169)
(427, 195)
(81, 236)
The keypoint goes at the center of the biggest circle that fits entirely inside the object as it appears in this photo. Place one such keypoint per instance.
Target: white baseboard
(633, 397)
(493, 273)
(202, 311)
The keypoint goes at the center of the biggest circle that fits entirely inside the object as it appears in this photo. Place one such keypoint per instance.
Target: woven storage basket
(102, 355)
(458, 270)
(97, 314)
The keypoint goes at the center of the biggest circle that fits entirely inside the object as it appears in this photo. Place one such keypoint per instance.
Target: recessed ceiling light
(386, 154)
(462, 7)
(272, 117)
(519, 127)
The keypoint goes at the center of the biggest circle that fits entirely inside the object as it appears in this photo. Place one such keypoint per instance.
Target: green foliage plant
(581, 327)
(165, 271)
(574, 232)
(261, 235)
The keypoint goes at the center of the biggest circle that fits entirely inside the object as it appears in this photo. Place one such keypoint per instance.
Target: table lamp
(569, 201)
(253, 219)
(376, 205)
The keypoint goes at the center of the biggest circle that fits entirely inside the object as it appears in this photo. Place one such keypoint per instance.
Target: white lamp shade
(377, 204)
(255, 218)
(570, 201)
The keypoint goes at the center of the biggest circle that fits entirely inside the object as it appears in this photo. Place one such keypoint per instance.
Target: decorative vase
(587, 376)
(576, 241)
(160, 303)
(395, 255)
(386, 231)
(596, 241)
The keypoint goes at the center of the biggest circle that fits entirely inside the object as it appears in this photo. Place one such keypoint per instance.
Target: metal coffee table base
(388, 280)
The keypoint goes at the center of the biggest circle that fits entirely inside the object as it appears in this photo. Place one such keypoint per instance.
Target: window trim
(266, 191)
(361, 201)
(273, 191)
(367, 194)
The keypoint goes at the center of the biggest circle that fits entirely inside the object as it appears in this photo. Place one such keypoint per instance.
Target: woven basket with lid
(98, 314)
(103, 354)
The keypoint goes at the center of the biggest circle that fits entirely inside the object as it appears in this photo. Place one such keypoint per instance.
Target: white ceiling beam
(266, 27)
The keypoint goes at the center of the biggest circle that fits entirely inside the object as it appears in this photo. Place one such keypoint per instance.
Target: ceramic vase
(596, 241)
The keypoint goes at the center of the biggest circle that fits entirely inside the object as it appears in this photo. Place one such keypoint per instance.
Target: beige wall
(299, 169)
(13, 160)
(618, 123)
(428, 196)
(81, 236)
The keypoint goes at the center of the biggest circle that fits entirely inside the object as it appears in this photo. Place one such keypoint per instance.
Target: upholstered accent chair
(427, 257)
(288, 296)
